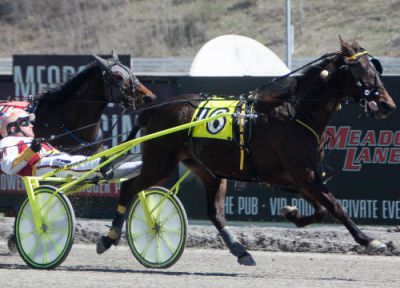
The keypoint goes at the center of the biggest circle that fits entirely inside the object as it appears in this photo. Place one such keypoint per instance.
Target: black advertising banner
(362, 164)
(362, 155)
(6, 88)
(35, 73)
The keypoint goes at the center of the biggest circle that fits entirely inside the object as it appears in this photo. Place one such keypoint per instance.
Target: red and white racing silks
(14, 159)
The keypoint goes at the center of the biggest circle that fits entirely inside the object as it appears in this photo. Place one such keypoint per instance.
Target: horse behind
(285, 150)
(69, 115)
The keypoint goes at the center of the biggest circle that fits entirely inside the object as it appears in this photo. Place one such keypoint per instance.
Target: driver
(21, 154)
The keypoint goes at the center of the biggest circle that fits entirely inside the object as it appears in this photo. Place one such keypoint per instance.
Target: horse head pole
(101, 61)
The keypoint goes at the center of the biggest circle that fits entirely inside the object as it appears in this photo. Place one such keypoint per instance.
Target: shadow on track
(108, 270)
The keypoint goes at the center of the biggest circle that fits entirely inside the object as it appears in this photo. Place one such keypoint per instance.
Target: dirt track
(204, 268)
(339, 261)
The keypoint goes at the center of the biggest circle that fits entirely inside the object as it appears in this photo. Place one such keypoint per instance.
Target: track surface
(204, 268)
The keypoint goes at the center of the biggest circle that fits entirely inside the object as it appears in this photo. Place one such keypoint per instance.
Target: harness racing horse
(72, 111)
(69, 116)
(285, 150)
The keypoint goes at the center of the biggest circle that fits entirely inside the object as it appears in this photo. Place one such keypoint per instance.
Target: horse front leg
(323, 196)
(114, 234)
(150, 175)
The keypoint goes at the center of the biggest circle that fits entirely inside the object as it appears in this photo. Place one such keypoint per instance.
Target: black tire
(50, 247)
(162, 245)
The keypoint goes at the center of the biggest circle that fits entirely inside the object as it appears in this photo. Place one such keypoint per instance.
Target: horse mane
(314, 70)
(65, 90)
(283, 88)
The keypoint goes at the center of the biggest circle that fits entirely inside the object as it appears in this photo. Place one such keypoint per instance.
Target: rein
(308, 127)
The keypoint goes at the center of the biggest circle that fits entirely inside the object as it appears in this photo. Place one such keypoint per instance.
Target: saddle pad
(220, 128)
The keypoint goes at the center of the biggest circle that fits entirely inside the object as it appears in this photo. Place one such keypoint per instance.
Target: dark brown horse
(285, 150)
(69, 116)
(72, 112)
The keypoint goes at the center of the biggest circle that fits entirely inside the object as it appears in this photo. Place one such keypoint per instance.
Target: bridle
(114, 90)
(356, 69)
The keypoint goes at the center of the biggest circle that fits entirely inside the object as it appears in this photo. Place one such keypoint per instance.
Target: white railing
(5, 66)
(181, 66)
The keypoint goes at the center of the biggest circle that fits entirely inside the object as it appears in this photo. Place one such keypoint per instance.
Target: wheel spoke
(158, 250)
(34, 248)
(141, 219)
(139, 234)
(45, 257)
(55, 217)
(171, 230)
(168, 243)
(23, 236)
(56, 246)
(24, 215)
(146, 248)
(170, 215)
(63, 231)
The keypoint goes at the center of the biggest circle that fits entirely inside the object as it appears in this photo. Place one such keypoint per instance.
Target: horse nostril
(386, 107)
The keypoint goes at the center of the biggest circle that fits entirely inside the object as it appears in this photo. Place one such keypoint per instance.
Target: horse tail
(144, 117)
(133, 133)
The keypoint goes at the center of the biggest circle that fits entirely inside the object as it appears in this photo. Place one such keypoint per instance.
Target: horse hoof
(247, 260)
(104, 243)
(292, 210)
(376, 246)
(12, 245)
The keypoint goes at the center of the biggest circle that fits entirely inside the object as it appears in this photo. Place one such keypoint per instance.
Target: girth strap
(241, 133)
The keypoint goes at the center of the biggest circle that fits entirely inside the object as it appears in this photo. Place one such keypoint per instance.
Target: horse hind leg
(292, 214)
(216, 191)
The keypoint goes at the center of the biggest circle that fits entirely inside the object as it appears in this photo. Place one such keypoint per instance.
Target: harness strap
(241, 133)
(309, 129)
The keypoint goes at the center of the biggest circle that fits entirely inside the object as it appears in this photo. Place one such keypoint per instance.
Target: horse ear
(101, 61)
(355, 44)
(114, 54)
(345, 47)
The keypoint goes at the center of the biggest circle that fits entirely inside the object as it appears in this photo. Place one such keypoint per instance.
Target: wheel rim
(158, 245)
(48, 246)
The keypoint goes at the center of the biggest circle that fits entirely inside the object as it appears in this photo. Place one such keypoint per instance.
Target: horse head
(364, 78)
(122, 86)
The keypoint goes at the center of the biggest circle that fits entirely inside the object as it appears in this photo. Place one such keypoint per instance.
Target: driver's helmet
(13, 120)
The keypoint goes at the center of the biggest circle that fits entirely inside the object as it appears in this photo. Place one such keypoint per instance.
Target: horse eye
(118, 77)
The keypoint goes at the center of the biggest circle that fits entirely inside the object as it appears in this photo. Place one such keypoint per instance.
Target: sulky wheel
(47, 247)
(159, 245)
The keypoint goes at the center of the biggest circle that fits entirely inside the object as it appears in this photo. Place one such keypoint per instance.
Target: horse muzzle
(149, 99)
(380, 110)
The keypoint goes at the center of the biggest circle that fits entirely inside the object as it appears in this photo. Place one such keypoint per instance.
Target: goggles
(15, 127)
